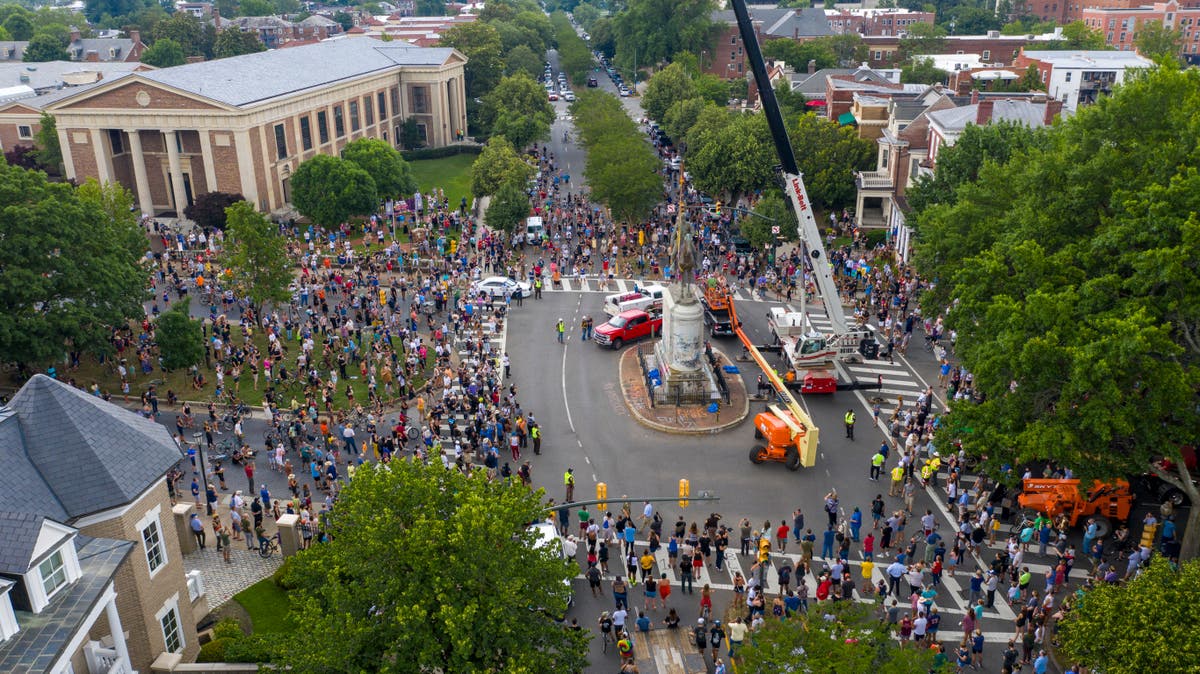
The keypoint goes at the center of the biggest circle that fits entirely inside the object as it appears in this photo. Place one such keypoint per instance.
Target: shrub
(215, 650)
(228, 628)
(282, 575)
(440, 152)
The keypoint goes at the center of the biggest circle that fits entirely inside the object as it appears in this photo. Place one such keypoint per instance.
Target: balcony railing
(195, 584)
(101, 660)
(874, 180)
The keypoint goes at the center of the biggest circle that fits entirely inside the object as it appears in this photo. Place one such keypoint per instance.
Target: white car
(496, 286)
(624, 92)
(569, 96)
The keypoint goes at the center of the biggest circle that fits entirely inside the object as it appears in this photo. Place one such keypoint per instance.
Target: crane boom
(793, 181)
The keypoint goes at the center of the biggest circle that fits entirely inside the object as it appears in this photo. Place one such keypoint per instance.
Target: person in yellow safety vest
(569, 483)
(537, 289)
(850, 424)
(536, 434)
(561, 329)
(926, 472)
(897, 481)
(933, 465)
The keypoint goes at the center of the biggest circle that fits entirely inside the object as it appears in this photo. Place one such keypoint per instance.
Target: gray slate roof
(785, 22)
(20, 532)
(70, 454)
(16, 47)
(44, 636)
(256, 78)
(1022, 112)
(80, 48)
(50, 74)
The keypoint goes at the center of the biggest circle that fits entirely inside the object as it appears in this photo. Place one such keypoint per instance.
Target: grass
(267, 605)
(452, 174)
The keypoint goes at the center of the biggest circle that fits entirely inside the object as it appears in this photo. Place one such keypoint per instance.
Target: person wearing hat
(606, 627)
(700, 635)
(560, 328)
(569, 483)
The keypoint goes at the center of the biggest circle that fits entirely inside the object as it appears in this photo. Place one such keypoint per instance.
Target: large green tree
(621, 169)
(518, 110)
(480, 43)
(735, 159)
(194, 37)
(679, 118)
(164, 53)
(1078, 35)
(960, 163)
(331, 190)
(1156, 41)
(923, 39)
(431, 570)
(828, 155)
(1144, 625)
(234, 42)
(49, 150)
(71, 260)
(256, 256)
(496, 165)
(521, 59)
(650, 31)
(46, 47)
(392, 174)
(668, 85)
(180, 338)
(509, 207)
(1072, 273)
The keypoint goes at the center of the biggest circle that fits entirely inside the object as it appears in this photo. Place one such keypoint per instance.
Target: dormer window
(54, 573)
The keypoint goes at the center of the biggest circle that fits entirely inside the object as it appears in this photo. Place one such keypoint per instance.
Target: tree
(509, 207)
(256, 8)
(256, 255)
(791, 101)
(923, 39)
(517, 109)
(652, 31)
(343, 19)
(208, 209)
(970, 20)
(798, 54)
(734, 160)
(19, 26)
(44, 47)
(1155, 41)
(668, 85)
(188, 32)
(961, 163)
(1031, 80)
(521, 59)
(496, 165)
(922, 71)
(621, 168)
(410, 134)
(180, 338)
(164, 53)
(1079, 36)
(586, 15)
(430, 8)
(407, 538)
(24, 156)
(830, 155)
(94, 10)
(392, 175)
(679, 118)
(480, 43)
(1140, 626)
(234, 42)
(1071, 272)
(50, 305)
(852, 642)
(330, 190)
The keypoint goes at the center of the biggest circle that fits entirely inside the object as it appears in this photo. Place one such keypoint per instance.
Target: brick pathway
(221, 580)
(687, 419)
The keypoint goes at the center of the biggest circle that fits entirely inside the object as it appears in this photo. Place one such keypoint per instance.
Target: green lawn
(267, 605)
(452, 174)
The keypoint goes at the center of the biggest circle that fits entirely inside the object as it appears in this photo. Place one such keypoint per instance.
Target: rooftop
(54, 74)
(1096, 58)
(782, 22)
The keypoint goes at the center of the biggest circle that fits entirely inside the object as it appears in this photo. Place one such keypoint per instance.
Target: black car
(592, 82)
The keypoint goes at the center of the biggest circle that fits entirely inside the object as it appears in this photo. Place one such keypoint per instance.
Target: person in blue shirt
(1041, 664)
(855, 523)
(643, 623)
(630, 535)
(827, 543)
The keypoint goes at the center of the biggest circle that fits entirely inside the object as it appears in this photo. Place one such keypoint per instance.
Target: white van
(547, 537)
(649, 299)
(534, 229)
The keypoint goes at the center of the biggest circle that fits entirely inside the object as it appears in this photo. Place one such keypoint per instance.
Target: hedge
(440, 152)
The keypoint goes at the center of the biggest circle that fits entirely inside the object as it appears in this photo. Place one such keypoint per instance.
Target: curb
(664, 428)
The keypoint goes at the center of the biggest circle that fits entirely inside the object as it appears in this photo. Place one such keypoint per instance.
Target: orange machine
(1104, 501)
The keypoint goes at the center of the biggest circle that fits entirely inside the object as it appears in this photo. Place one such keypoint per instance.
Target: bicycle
(272, 436)
(268, 546)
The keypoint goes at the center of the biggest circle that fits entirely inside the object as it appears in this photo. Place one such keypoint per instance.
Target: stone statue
(683, 254)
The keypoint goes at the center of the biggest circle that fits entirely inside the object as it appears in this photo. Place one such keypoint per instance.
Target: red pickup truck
(626, 327)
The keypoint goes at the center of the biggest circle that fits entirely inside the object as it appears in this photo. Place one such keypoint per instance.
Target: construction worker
(897, 481)
(877, 465)
(561, 329)
(569, 483)
(537, 288)
(535, 432)
(849, 422)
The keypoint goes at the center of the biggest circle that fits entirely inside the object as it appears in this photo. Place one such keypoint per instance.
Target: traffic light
(685, 490)
(764, 548)
(718, 208)
(601, 494)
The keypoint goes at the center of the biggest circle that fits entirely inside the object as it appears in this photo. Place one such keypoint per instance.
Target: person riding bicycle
(261, 534)
(606, 627)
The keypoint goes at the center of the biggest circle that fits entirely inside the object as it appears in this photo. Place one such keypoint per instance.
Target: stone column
(103, 159)
(118, 632)
(289, 534)
(206, 156)
(64, 142)
(170, 137)
(444, 112)
(246, 166)
(145, 201)
(182, 513)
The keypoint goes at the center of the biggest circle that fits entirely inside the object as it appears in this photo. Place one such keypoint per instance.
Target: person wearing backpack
(700, 635)
(716, 636)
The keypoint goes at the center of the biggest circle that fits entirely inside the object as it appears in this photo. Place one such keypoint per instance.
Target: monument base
(679, 387)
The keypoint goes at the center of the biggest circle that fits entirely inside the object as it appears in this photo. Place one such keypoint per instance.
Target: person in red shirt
(824, 587)
(781, 536)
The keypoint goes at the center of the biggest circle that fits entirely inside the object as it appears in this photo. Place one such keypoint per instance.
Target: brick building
(91, 571)
(1080, 77)
(725, 56)
(244, 124)
(993, 48)
(1120, 25)
(880, 21)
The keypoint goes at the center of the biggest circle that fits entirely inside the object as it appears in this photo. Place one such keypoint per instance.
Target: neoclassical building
(244, 124)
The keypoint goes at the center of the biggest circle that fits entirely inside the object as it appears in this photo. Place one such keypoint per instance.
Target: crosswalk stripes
(594, 284)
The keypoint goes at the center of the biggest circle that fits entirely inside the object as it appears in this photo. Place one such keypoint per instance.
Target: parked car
(569, 96)
(626, 327)
(553, 95)
(624, 92)
(592, 83)
(497, 286)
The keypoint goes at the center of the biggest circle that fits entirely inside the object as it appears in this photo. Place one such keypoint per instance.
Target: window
(24, 131)
(172, 635)
(732, 39)
(1068, 76)
(354, 116)
(156, 555)
(339, 124)
(382, 106)
(53, 572)
(987, 55)
(420, 99)
(878, 55)
(116, 139)
(422, 132)
(322, 127)
(1122, 36)
(306, 133)
(280, 142)
(369, 110)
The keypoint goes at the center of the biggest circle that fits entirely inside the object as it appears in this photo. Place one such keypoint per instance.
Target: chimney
(812, 66)
(135, 36)
(1052, 109)
(974, 96)
(92, 56)
(216, 18)
(984, 114)
(74, 35)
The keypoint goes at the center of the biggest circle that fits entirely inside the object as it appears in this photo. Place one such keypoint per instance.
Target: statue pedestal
(686, 374)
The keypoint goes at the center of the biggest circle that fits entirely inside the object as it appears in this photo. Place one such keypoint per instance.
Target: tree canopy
(828, 155)
(234, 42)
(256, 256)
(622, 169)
(330, 190)
(1156, 41)
(496, 165)
(392, 174)
(46, 47)
(960, 163)
(518, 110)
(164, 53)
(180, 338)
(1071, 273)
(669, 85)
(1145, 625)
(732, 158)
(509, 207)
(431, 570)
(48, 305)
(647, 32)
